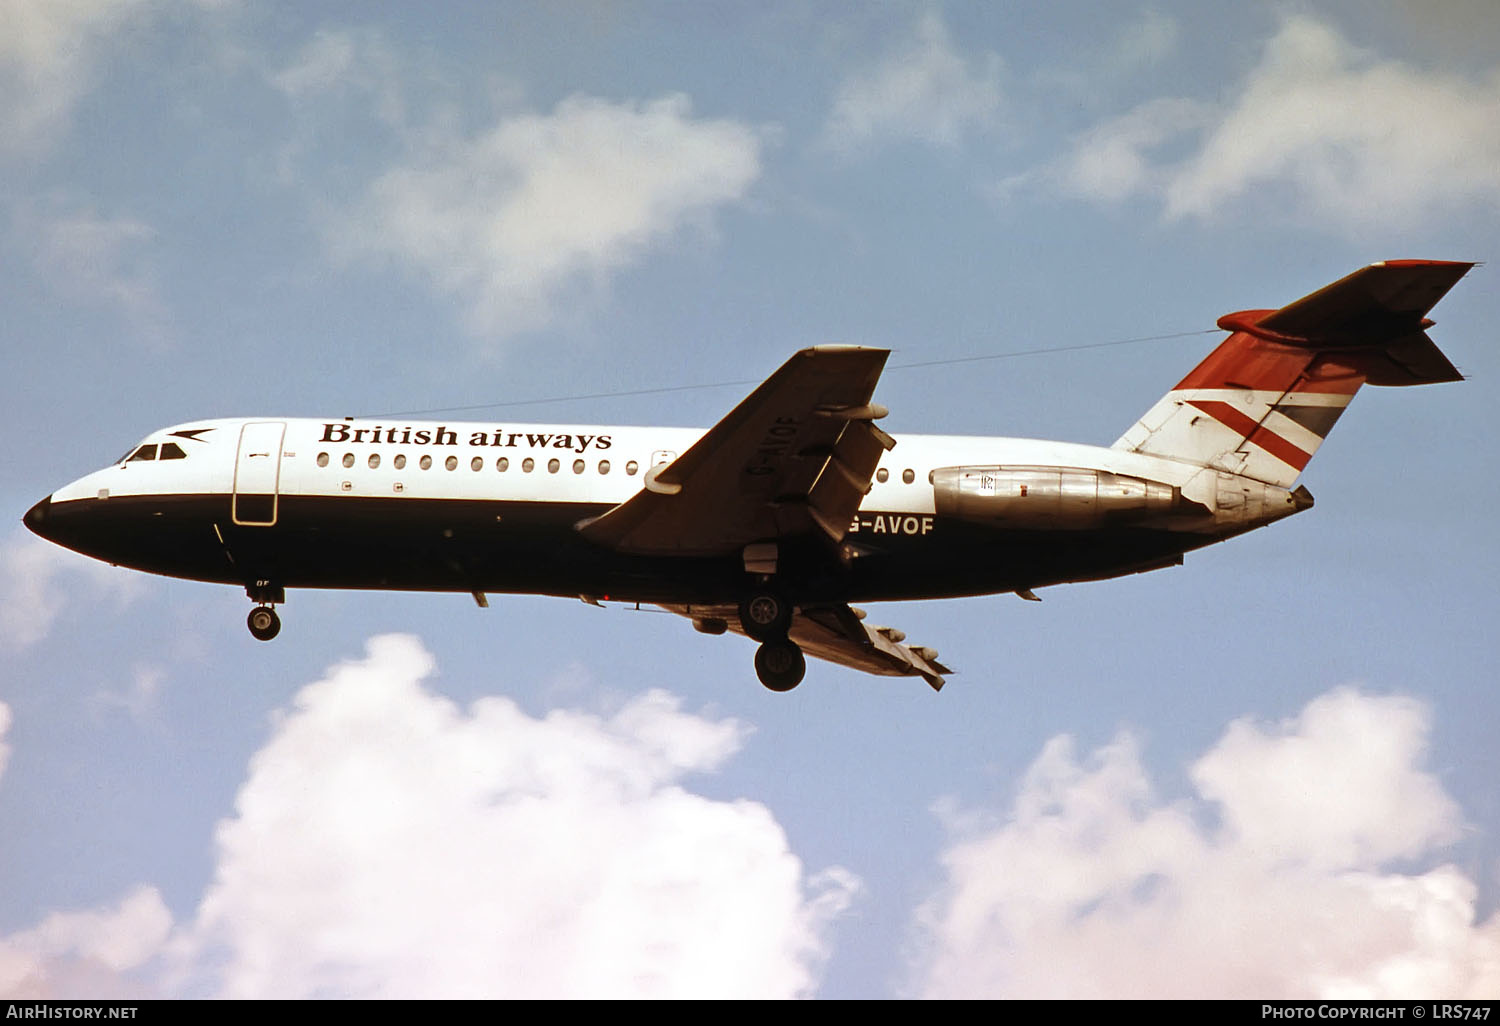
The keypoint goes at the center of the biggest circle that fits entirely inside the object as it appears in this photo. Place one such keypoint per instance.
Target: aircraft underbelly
(471, 545)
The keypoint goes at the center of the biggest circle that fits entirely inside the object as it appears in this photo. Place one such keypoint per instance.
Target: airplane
(774, 521)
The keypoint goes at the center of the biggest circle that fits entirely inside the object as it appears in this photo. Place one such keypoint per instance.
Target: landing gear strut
(263, 622)
(766, 616)
(779, 664)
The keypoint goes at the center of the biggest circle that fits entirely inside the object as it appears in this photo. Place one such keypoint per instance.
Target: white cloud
(85, 954)
(48, 52)
(928, 92)
(1319, 128)
(325, 62)
(1148, 40)
(540, 209)
(388, 843)
(1111, 161)
(1092, 886)
(1369, 804)
(44, 62)
(100, 260)
(5, 721)
(32, 593)
(335, 61)
(139, 700)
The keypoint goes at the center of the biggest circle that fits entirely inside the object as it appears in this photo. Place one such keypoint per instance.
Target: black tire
(765, 615)
(780, 665)
(263, 622)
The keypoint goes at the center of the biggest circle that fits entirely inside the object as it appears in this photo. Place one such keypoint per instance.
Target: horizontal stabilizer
(1383, 300)
(1379, 310)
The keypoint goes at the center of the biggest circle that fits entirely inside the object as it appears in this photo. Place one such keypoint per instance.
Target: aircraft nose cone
(36, 517)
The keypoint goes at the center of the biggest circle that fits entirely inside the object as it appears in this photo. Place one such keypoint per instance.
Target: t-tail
(1261, 404)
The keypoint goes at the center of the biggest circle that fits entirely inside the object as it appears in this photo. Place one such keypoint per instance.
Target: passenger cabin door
(257, 473)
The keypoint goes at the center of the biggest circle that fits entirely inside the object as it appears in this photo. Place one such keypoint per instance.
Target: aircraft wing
(838, 634)
(794, 458)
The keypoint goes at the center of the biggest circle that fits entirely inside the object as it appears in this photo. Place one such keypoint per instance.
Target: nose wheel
(780, 664)
(263, 622)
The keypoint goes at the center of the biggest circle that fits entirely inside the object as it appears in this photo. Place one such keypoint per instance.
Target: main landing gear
(766, 617)
(780, 664)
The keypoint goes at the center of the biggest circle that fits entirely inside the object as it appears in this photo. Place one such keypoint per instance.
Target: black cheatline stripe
(1317, 419)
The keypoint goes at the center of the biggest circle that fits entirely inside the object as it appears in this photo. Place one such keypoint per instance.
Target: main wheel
(765, 615)
(263, 622)
(780, 665)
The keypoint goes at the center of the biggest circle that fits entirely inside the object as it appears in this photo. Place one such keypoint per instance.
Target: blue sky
(1137, 787)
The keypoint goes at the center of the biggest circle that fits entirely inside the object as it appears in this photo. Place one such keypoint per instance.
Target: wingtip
(1466, 264)
(841, 347)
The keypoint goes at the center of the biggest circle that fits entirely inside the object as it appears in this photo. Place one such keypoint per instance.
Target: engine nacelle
(1052, 498)
(1239, 502)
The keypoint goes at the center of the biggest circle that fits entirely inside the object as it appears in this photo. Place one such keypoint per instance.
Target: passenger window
(631, 468)
(552, 466)
(930, 475)
(528, 464)
(322, 459)
(882, 475)
(502, 464)
(172, 451)
(374, 460)
(348, 459)
(145, 452)
(477, 463)
(604, 466)
(578, 466)
(425, 463)
(400, 461)
(451, 463)
(907, 477)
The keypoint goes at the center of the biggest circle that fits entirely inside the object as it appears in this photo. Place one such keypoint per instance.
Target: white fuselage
(569, 463)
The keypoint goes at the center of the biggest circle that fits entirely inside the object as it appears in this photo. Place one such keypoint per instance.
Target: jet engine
(1055, 498)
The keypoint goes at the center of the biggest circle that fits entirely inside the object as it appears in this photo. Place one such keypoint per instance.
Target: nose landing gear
(263, 622)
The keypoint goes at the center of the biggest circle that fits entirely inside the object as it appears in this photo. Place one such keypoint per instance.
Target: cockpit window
(145, 452)
(171, 451)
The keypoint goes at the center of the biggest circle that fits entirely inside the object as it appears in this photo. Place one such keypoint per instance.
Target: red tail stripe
(1243, 361)
(1256, 434)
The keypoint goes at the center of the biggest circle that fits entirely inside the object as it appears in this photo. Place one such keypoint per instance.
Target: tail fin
(1262, 403)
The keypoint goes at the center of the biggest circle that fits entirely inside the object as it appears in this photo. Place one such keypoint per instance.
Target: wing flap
(840, 635)
(831, 485)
